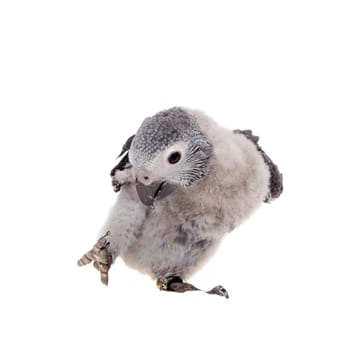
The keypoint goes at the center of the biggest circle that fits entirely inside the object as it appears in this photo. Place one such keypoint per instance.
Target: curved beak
(154, 191)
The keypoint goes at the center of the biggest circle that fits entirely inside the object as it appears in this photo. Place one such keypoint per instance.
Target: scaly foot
(102, 260)
(175, 284)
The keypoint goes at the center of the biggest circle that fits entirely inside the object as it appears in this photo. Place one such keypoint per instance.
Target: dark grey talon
(219, 290)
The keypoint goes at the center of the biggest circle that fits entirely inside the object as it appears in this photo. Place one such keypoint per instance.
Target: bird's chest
(173, 237)
(166, 228)
(167, 243)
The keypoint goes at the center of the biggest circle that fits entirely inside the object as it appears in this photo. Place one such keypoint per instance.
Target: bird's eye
(174, 157)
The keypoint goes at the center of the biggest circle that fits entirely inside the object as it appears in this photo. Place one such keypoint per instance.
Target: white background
(78, 77)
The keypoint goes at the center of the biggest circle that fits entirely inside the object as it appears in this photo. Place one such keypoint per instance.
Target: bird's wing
(124, 162)
(276, 177)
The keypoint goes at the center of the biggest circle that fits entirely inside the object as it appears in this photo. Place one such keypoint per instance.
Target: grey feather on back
(276, 177)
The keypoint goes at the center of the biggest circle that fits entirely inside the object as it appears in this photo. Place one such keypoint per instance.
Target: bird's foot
(219, 290)
(120, 177)
(175, 284)
(116, 185)
(100, 256)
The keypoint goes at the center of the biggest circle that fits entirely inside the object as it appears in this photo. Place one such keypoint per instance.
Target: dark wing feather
(124, 162)
(276, 177)
(126, 145)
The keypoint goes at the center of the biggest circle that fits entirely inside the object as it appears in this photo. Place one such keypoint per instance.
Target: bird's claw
(120, 177)
(219, 290)
(116, 185)
(100, 256)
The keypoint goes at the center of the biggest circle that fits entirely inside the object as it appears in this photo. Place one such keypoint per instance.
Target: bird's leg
(175, 284)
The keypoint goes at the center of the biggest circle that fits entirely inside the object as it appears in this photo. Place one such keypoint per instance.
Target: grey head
(169, 150)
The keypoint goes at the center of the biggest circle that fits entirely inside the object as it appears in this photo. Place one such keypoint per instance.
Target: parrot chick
(184, 183)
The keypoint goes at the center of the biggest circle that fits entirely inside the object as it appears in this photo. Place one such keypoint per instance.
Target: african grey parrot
(184, 183)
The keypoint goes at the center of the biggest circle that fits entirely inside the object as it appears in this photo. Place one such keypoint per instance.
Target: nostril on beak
(146, 178)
